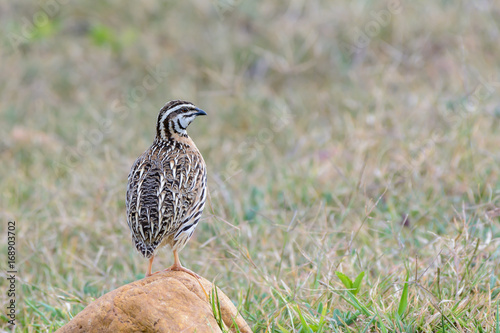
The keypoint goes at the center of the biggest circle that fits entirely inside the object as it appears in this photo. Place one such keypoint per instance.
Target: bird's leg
(178, 267)
(148, 273)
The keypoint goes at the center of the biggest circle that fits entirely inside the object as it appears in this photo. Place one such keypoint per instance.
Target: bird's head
(175, 117)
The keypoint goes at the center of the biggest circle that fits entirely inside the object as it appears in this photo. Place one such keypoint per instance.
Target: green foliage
(353, 287)
(46, 30)
(104, 36)
(403, 302)
(216, 310)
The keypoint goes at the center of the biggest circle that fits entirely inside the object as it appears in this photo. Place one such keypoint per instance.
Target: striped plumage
(166, 189)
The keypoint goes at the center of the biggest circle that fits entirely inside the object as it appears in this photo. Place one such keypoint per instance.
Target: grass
(328, 152)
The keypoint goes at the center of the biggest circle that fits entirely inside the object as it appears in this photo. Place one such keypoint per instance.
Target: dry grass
(316, 155)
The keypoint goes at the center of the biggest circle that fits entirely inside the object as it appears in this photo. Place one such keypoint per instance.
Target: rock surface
(164, 302)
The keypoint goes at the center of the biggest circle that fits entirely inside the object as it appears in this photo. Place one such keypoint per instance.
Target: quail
(167, 187)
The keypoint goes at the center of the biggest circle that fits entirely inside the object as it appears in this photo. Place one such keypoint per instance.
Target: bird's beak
(200, 112)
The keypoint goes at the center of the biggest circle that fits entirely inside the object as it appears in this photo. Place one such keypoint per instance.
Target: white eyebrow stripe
(169, 111)
(166, 114)
(179, 107)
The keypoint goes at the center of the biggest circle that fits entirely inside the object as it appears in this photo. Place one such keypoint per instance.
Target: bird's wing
(164, 193)
(145, 199)
(184, 174)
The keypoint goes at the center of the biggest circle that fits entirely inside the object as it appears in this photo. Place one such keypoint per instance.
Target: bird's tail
(147, 250)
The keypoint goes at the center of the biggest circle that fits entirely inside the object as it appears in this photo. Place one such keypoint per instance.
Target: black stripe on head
(169, 110)
(180, 125)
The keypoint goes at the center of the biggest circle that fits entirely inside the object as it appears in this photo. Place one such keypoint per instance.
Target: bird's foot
(151, 274)
(182, 269)
(177, 267)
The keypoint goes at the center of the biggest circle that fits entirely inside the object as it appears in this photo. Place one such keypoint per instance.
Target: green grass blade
(358, 305)
(305, 326)
(357, 283)
(369, 324)
(345, 280)
(282, 329)
(403, 302)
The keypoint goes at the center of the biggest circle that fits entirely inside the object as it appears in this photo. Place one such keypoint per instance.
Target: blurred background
(351, 136)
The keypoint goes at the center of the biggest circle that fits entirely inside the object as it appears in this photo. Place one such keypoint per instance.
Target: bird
(167, 187)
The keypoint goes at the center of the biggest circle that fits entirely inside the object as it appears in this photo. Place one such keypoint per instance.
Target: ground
(343, 139)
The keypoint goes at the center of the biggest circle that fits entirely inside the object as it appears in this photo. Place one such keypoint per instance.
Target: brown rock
(164, 302)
